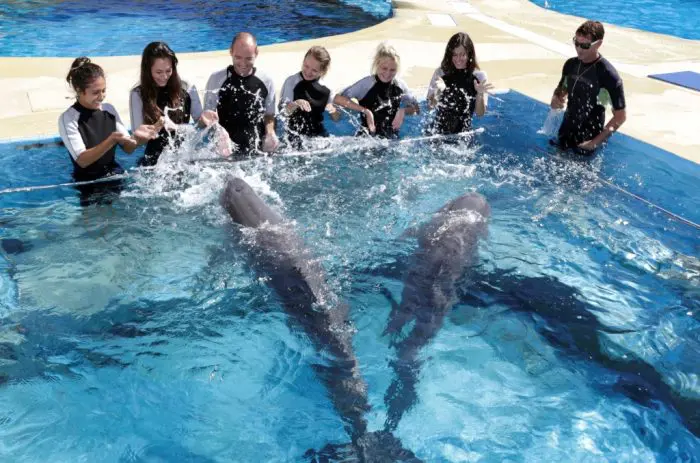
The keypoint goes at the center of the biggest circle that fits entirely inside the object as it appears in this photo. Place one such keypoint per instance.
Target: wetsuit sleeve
(120, 125)
(611, 81)
(481, 76)
(211, 93)
(407, 97)
(195, 103)
(432, 87)
(287, 95)
(68, 129)
(135, 109)
(360, 88)
(270, 108)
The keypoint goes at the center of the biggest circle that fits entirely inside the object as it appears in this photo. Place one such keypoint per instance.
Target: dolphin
(297, 277)
(447, 247)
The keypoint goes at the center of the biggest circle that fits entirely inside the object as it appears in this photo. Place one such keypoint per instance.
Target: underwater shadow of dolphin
(279, 254)
(570, 325)
(447, 248)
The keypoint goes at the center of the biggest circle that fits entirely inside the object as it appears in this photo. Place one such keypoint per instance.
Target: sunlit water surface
(136, 331)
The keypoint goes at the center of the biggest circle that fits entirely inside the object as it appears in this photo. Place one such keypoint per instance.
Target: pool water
(85, 28)
(672, 17)
(136, 331)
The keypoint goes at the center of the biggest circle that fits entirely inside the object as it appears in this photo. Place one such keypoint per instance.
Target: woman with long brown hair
(162, 96)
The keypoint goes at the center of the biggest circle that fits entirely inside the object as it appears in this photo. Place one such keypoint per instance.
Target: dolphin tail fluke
(373, 447)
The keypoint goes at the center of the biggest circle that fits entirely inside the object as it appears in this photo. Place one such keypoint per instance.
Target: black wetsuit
(241, 109)
(179, 116)
(457, 103)
(584, 118)
(383, 99)
(82, 128)
(309, 124)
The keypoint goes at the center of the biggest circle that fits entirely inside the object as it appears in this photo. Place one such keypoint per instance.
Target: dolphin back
(244, 206)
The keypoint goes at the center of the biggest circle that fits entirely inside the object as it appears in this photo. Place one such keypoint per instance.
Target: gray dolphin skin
(297, 277)
(447, 247)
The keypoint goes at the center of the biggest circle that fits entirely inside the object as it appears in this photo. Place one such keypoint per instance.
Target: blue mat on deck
(687, 79)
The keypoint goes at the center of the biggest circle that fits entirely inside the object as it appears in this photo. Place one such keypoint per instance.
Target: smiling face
(161, 70)
(244, 52)
(460, 57)
(586, 55)
(94, 94)
(386, 70)
(311, 68)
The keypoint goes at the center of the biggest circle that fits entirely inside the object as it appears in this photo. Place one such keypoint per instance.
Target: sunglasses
(584, 45)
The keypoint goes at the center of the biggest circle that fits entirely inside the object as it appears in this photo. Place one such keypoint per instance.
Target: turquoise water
(137, 332)
(672, 17)
(82, 27)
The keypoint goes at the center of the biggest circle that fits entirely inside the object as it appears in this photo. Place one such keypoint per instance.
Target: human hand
(208, 118)
(483, 87)
(303, 105)
(144, 132)
(398, 119)
(270, 143)
(370, 120)
(117, 137)
(334, 113)
(558, 101)
(587, 145)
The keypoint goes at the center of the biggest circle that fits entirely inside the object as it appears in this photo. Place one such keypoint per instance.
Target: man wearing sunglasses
(588, 81)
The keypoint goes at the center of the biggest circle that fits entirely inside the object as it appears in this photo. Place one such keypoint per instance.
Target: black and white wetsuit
(191, 106)
(81, 129)
(454, 111)
(242, 104)
(588, 87)
(302, 123)
(383, 99)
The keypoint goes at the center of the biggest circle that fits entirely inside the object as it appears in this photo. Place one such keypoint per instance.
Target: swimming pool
(82, 27)
(137, 332)
(673, 17)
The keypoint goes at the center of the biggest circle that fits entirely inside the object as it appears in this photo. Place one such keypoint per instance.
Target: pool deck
(520, 45)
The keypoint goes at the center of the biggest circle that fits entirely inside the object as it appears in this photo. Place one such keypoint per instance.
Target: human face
(386, 70)
(244, 53)
(586, 48)
(161, 70)
(93, 96)
(460, 57)
(311, 68)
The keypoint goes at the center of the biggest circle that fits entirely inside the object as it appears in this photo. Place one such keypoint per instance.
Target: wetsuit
(81, 129)
(190, 106)
(586, 86)
(242, 104)
(383, 99)
(457, 103)
(301, 123)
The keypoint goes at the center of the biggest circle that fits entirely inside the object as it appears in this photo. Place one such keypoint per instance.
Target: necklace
(580, 74)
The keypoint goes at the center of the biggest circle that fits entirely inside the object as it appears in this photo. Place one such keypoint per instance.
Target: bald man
(244, 99)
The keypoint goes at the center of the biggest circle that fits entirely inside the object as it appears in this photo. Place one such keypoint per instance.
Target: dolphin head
(471, 201)
(244, 206)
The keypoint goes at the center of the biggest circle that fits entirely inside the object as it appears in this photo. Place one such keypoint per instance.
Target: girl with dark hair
(160, 87)
(92, 129)
(458, 88)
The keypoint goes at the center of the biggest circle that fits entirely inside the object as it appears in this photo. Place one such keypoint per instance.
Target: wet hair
(592, 29)
(321, 55)
(244, 36)
(460, 39)
(82, 73)
(148, 86)
(384, 50)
